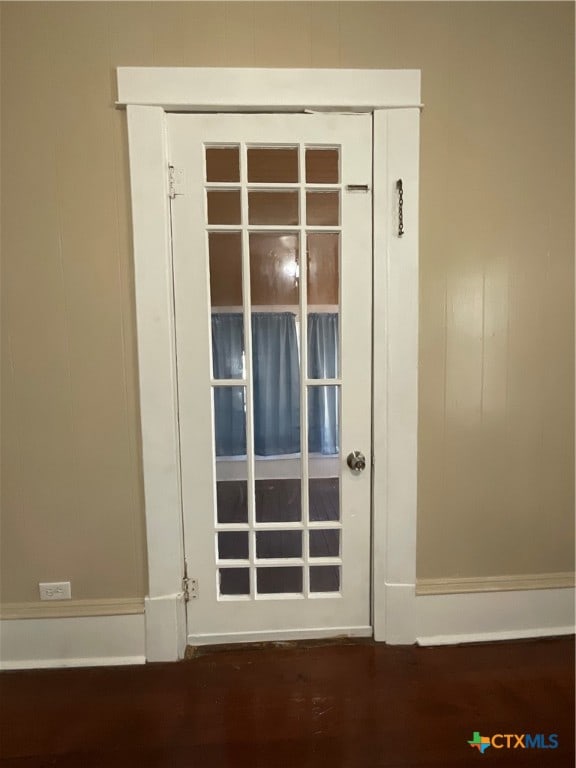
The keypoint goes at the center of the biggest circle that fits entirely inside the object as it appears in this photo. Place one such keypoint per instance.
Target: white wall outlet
(55, 590)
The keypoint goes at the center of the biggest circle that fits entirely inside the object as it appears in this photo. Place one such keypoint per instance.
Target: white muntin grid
(252, 527)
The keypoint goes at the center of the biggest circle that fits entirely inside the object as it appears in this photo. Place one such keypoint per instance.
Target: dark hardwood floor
(356, 705)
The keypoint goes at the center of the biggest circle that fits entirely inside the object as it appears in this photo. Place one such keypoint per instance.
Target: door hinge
(189, 586)
(175, 181)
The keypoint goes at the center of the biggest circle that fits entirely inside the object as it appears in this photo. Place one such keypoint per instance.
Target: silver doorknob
(356, 461)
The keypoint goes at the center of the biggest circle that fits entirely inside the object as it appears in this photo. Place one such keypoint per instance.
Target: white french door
(272, 254)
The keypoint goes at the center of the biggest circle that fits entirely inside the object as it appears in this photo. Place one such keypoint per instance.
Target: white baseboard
(34, 643)
(399, 611)
(279, 635)
(106, 661)
(83, 641)
(165, 627)
(487, 616)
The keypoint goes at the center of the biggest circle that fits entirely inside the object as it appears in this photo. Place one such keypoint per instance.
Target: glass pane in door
(324, 578)
(322, 165)
(234, 581)
(274, 270)
(275, 544)
(233, 545)
(272, 207)
(325, 542)
(323, 255)
(324, 420)
(324, 495)
(279, 500)
(272, 165)
(223, 164)
(323, 208)
(223, 206)
(279, 580)
(225, 254)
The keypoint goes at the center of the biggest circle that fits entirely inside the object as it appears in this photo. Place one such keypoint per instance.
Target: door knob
(356, 461)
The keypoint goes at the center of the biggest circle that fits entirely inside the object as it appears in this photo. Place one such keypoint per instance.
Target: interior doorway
(272, 254)
(390, 100)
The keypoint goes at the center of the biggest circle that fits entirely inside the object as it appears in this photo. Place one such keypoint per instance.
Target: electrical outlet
(56, 590)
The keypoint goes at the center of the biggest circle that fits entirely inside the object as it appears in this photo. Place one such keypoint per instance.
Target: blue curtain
(229, 402)
(227, 345)
(323, 346)
(276, 374)
(323, 404)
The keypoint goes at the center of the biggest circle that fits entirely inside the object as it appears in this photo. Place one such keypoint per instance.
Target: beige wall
(496, 455)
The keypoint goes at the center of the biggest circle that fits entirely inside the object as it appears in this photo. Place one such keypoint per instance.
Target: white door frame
(393, 97)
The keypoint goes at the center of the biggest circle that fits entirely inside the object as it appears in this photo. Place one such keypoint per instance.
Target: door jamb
(393, 96)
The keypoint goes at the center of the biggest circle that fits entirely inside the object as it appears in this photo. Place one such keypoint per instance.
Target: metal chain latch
(400, 207)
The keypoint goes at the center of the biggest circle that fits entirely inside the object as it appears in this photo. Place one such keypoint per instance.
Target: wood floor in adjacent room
(356, 705)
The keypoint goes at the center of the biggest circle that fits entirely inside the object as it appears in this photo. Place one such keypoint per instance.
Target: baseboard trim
(488, 616)
(165, 627)
(491, 637)
(160, 635)
(451, 586)
(107, 661)
(82, 641)
(279, 636)
(399, 611)
(58, 609)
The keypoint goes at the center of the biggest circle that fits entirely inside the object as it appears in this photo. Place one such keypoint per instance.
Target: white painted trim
(108, 661)
(395, 385)
(65, 608)
(86, 641)
(396, 314)
(156, 349)
(165, 627)
(274, 308)
(496, 583)
(285, 467)
(272, 90)
(395, 619)
(495, 637)
(279, 636)
(487, 616)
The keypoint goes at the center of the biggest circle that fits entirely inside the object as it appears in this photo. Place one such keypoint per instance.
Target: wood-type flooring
(317, 705)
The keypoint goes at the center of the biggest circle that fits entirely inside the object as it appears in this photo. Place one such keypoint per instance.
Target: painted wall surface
(496, 450)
